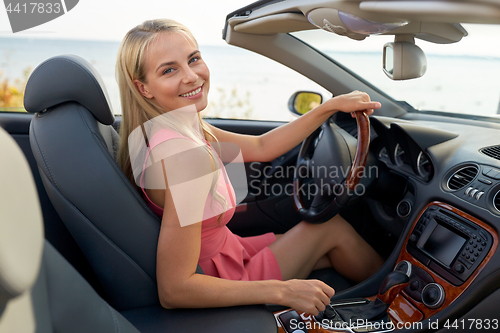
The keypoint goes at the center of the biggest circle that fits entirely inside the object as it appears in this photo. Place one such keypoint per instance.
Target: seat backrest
(40, 292)
(108, 219)
(21, 238)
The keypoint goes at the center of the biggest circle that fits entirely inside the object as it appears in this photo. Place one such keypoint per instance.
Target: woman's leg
(307, 246)
(323, 262)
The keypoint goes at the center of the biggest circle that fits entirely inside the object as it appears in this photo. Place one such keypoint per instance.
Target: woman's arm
(180, 287)
(179, 250)
(271, 145)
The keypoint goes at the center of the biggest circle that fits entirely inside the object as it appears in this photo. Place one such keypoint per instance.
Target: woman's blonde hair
(137, 109)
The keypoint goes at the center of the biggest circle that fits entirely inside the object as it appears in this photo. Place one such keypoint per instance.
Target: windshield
(461, 77)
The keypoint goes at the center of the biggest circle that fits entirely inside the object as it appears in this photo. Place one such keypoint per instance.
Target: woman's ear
(142, 89)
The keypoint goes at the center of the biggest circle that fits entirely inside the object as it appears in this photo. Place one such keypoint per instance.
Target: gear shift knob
(391, 286)
(394, 282)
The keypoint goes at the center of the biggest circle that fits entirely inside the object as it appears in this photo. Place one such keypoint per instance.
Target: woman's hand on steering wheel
(351, 102)
(327, 148)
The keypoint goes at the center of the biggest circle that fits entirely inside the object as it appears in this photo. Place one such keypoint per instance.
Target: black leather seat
(39, 290)
(74, 145)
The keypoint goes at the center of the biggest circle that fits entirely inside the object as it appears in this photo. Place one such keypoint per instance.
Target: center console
(442, 255)
(449, 244)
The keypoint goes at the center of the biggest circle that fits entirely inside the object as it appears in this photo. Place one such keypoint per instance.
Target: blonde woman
(160, 71)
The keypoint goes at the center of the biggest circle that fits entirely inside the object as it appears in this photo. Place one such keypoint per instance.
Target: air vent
(462, 178)
(496, 201)
(493, 151)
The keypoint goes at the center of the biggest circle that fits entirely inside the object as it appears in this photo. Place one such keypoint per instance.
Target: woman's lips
(194, 94)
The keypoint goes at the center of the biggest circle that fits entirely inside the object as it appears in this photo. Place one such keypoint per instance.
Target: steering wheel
(324, 177)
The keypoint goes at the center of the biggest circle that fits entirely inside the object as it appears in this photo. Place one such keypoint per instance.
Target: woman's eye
(193, 59)
(168, 71)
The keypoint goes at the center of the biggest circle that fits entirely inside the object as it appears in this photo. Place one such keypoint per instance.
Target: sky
(111, 19)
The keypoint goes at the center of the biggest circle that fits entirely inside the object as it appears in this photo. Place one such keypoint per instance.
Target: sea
(245, 85)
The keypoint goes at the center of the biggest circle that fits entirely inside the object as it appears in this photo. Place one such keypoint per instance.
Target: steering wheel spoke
(321, 197)
(304, 168)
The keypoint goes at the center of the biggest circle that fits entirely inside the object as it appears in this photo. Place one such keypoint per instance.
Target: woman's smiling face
(176, 74)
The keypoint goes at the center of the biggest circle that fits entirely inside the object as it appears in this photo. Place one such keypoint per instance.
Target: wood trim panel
(402, 311)
(362, 149)
(452, 292)
(406, 309)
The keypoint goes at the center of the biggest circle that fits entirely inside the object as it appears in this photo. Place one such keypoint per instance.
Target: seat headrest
(68, 78)
(21, 225)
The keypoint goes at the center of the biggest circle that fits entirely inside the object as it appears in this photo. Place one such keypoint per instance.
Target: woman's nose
(189, 75)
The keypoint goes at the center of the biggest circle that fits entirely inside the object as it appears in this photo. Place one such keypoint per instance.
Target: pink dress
(224, 254)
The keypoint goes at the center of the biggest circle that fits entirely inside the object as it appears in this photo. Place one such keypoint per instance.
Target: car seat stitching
(116, 328)
(46, 165)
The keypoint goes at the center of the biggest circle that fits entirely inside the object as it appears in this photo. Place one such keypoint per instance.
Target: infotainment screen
(443, 244)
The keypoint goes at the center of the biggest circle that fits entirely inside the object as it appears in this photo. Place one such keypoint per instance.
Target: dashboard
(452, 174)
(399, 158)
(456, 163)
(399, 151)
(449, 234)
(403, 145)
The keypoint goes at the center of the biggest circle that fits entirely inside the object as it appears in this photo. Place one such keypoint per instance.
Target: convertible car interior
(39, 290)
(422, 187)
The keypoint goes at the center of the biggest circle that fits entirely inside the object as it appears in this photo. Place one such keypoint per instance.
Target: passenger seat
(39, 290)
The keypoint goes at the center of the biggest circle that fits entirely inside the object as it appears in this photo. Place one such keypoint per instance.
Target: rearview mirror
(403, 59)
(302, 102)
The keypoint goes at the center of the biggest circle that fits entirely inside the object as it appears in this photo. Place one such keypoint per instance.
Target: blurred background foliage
(226, 104)
(229, 104)
(12, 92)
